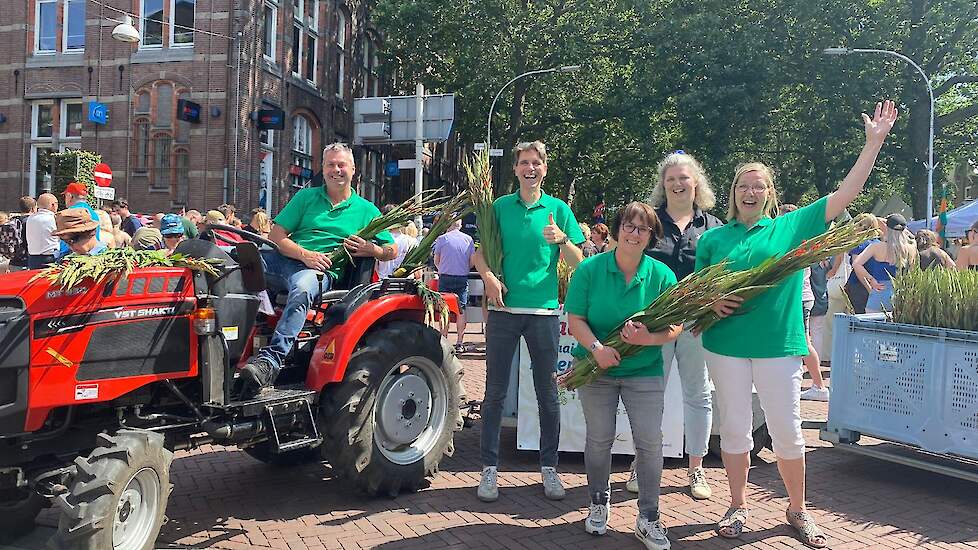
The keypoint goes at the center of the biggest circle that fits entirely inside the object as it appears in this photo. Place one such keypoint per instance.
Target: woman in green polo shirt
(607, 289)
(763, 345)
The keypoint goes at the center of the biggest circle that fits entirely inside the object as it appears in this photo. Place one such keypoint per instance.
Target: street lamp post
(930, 93)
(564, 69)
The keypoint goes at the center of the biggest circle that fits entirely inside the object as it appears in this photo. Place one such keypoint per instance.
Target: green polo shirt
(315, 224)
(771, 324)
(529, 263)
(598, 292)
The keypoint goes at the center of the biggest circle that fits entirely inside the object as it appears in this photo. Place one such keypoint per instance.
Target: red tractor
(101, 383)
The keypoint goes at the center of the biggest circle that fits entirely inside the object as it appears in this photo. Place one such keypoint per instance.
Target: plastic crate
(905, 383)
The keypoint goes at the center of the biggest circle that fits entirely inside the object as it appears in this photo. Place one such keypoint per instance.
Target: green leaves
(117, 263)
(936, 298)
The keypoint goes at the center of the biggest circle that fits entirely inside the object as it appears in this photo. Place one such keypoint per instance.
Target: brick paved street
(224, 499)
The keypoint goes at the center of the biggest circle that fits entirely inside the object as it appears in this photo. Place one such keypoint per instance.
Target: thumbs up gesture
(552, 234)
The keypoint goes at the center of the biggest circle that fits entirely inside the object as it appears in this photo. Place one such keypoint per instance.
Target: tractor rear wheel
(118, 497)
(390, 421)
(18, 509)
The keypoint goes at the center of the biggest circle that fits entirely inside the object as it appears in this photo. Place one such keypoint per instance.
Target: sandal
(731, 526)
(808, 531)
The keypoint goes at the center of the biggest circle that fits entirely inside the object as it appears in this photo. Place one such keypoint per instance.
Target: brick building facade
(303, 59)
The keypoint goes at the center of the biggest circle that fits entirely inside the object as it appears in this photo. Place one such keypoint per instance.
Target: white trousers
(778, 384)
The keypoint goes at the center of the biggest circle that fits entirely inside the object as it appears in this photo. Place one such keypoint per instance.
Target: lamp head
(837, 51)
(125, 31)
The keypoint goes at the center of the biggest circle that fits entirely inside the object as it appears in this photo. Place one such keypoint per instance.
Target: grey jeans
(697, 398)
(643, 397)
(542, 333)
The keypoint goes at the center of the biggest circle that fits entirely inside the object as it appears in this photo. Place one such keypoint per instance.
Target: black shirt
(677, 249)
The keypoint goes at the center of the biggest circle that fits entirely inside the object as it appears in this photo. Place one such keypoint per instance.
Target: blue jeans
(541, 332)
(284, 274)
(643, 397)
(697, 398)
(880, 300)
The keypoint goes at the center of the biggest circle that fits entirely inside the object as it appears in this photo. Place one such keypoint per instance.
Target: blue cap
(171, 225)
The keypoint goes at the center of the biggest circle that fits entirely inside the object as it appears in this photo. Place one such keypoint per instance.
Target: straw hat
(73, 220)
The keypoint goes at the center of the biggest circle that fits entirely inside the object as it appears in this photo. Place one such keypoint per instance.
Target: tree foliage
(727, 81)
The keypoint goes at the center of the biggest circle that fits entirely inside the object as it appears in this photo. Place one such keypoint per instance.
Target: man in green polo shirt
(314, 223)
(535, 230)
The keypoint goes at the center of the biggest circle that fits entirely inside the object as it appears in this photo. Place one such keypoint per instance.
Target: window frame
(35, 111)
(297, 50)
(37, 27)
(312, 18)
(66, 20)
(63, 119)
(298, 10)
(172, 19)
(35, 150)
(142, 26)
(270, 57)
(311, 57)
(341, 40)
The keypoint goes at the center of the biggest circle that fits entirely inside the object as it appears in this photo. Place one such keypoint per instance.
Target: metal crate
(905, 383)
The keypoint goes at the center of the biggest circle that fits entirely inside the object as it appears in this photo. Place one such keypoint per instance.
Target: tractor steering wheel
(247, 235)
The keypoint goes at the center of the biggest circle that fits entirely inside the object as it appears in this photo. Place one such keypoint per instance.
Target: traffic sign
(103, 175)
(392, 119)
(478, 146)
(495, 152)
(105, 193)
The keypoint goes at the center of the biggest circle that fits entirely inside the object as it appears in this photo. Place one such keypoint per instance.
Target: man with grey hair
(317, 221)
(536, 229)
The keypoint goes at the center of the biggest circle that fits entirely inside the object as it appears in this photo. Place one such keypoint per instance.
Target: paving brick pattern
(224, 499)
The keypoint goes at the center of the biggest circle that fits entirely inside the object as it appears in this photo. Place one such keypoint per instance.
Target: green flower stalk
(117, 263)
(417, 257)
(691, 301)
(479, 175)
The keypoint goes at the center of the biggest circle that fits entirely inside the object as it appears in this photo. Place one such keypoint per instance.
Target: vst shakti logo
(144, 312)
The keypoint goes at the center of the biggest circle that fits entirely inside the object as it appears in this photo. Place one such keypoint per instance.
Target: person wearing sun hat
(76, 195)
(77, 230)
(147, 238)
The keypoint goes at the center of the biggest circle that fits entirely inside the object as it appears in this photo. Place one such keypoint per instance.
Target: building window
(301, 149)
(182, 30)
(270, 32)
(340, 54)
(172, 20)
(311, 59)
(152, 24)
(297, 9)
(71, 119)
(161, 156)
(46, 26)
(75, 25)
(42, 120)
(142, 145)
(296, 50)
(313, 15)
(266, 168)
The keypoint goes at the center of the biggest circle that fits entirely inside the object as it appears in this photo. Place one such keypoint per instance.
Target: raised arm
(877, 129)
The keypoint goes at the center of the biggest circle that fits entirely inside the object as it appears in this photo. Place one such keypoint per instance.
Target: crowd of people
(42, 231)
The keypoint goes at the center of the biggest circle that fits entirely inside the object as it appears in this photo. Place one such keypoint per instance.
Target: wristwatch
(595, 346)
(562, 241)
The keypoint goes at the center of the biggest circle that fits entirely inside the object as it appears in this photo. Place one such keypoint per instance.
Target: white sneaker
(632, 484)
(596, 522)
(652, 533)
(552, 487)
(698, 486)
(815, 393)
(488, 490)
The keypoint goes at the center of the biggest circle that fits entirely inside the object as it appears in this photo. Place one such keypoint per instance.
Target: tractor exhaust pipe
(234, 430)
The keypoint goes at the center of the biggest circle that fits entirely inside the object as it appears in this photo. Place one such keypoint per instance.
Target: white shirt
(40, 225)
(404, 244)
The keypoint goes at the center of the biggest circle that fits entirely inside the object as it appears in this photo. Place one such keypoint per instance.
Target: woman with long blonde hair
(893, 254)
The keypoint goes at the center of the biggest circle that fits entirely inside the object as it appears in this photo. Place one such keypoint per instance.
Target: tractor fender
(334, 348)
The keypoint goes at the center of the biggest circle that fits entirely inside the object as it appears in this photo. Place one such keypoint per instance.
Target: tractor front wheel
(18, 509)
(390, 421)
(118, 496)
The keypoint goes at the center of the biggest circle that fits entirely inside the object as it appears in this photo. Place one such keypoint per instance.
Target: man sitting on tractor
(314, 223)
(77, 230)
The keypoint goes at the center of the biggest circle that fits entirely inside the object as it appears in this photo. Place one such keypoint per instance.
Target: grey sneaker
(552, 487)
(652, 533)
(596, 522)
(632, 484)
(488, 490)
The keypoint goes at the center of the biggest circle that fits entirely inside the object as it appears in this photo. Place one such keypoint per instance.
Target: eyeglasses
(632, 228)
(743, 188)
